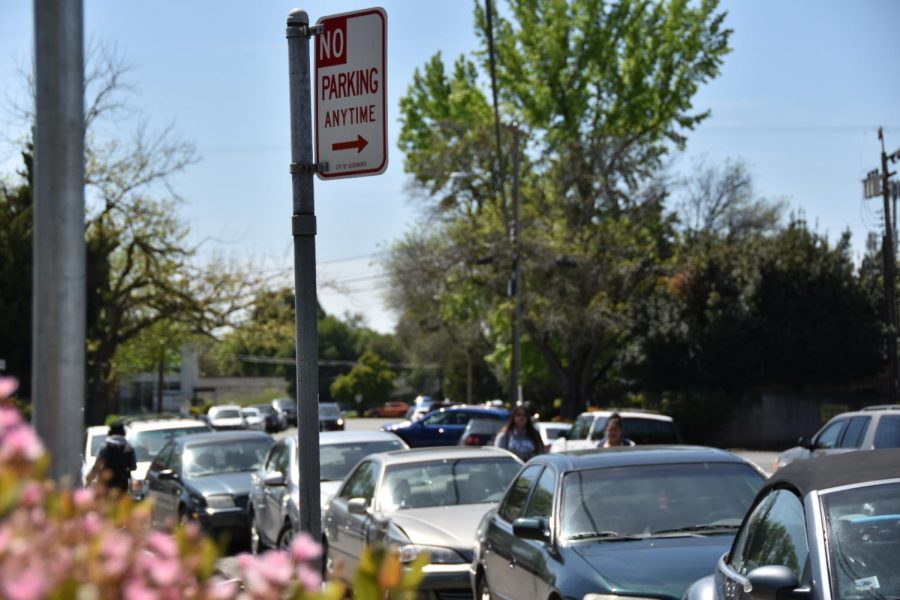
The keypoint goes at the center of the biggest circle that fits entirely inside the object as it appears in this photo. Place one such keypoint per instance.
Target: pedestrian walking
(115, 461)
(520, 436)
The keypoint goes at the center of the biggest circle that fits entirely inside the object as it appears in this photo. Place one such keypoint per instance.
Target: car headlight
(437, 555)
(615, 597)
(220, 501)
(340, 421)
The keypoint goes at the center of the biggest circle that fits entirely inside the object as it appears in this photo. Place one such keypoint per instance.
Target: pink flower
(8, 386)
(164, 572)
(83, 498)
(163, 544)
(220, 589)
(135, 589)
(310, 579)
(32, 494)
(266, 576)
(305, 549)
(23, 585)
(9, 417)
(91, 524)
(21, 441)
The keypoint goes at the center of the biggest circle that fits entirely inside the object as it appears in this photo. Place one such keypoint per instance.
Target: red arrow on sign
(359, 144)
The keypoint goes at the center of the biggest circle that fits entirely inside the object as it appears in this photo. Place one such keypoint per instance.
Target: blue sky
(799, 99)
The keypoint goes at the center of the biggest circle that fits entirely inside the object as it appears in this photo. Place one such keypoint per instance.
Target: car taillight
(472, 440)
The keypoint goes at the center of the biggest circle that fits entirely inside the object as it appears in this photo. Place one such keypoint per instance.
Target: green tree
(369, 378)
(600, 92)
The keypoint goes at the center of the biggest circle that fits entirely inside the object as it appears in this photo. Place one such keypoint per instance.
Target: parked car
(818, 530)
(551, 431)
(287, 408)
(444, 426)
(253, 418)
(420, 407)
(419, 501)
(640, 427)
(226, 416)
(206, 478)
(388, 410)
(273, 421)
(147, 435)
(480, 432)
(640, 522)
(94, 438)
(330, 418)
(275, 493)
(867, 429)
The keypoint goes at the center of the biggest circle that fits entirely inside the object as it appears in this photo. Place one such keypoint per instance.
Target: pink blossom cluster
(275, 574)
(19, 445)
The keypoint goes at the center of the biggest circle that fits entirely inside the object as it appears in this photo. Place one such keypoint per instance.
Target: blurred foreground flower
(87, 543)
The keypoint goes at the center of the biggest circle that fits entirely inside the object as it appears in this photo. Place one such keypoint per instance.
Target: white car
(551, 431)
(254, 418)
(147, 436)
(226, 416)
(640, 427)
(94, 438)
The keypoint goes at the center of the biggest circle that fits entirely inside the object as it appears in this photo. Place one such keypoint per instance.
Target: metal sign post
(303, 228)
(351, 94)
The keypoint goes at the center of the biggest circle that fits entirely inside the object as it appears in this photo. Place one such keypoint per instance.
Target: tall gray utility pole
(303, 228)
(890, 264)
(516, 281)
(58, 338)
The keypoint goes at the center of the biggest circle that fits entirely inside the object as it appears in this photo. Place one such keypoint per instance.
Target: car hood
(447, 526)
(236, 484)
(654, 566)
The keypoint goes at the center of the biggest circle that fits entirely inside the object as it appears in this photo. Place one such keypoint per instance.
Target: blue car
(443, 427)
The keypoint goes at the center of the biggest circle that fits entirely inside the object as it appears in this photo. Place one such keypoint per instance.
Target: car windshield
(229, 456)
(581, 427)
(862, 532)
(264, 409)
(228, 413)
(657, 500)
(446, 483)
(147, 443)
(285, 404)
(329, 410)
(96, 443)
(336, 460)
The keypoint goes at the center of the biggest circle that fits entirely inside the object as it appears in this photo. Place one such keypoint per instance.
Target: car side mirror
(358, 506)
(168, 475)
(531, 528)
(274, 479)
(775, 582)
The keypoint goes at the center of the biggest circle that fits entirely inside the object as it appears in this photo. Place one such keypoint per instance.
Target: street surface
(228, 565)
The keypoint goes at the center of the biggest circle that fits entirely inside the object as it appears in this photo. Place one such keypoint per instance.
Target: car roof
(349, 437)
(626, 414)
(629, 456)
(416, 455)
(221, 436)
(836, 470)
(161, 424)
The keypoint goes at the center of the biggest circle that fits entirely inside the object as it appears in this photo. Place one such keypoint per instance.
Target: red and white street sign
(351, 93)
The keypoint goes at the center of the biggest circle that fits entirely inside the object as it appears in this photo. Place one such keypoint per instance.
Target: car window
(581, 427)
(361, 483)
(855, 432)
(888, 433)
(336, 460)
(161, 458)
(448, 482)
(828, 437)
(274, 454)
(231, 456)
(541, 503)
(512, 505)
(96, 443)
(650, 431)
(283, 461)
(148, 442)
(775, 535)
(438, 418)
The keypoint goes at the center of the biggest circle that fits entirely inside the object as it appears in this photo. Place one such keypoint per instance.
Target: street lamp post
(516, 280)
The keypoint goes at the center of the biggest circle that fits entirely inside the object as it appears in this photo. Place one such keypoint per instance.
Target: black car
(637, 523)
(206, 478)
(287, 408)
(330, 418)
(819, 529)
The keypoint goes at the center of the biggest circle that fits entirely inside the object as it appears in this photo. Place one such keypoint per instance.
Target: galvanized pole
(58, 330)
(516, 388)
(303, 227)
(890, 266)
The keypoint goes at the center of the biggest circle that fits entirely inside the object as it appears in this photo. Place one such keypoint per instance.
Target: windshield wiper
(611, 536)
(698, 529)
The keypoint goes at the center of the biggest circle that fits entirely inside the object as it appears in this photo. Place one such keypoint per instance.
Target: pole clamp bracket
(298, 169)
(303, 225)
(306, 31)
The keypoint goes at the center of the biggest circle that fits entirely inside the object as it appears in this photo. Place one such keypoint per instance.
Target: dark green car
(641, 522)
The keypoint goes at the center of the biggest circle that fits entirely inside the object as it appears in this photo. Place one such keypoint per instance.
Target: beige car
(420, 501)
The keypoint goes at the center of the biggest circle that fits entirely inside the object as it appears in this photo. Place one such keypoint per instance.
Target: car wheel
(257, 545)
(286, 537)
(484, 592)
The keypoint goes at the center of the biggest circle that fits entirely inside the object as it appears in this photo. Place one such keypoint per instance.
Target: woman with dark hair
(614, 433)
(519, 435)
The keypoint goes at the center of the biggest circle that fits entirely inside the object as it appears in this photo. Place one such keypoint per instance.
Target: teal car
(640, 522)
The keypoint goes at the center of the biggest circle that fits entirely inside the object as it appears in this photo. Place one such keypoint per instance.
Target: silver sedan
(422, 501)
(275, 493)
